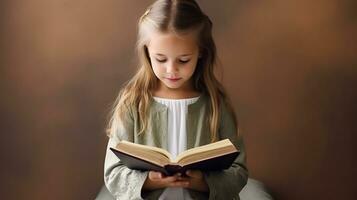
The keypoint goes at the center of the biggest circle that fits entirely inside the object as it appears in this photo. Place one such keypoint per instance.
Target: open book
(215, 156)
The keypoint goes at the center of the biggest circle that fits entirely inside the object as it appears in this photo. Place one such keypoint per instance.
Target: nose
(171, 68)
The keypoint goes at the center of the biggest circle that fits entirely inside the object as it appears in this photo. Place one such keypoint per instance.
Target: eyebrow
(159, 54)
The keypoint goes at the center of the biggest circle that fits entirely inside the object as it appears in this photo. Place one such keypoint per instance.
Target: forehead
(172, 44)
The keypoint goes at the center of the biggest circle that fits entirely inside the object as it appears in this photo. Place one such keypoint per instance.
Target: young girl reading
(174, 102)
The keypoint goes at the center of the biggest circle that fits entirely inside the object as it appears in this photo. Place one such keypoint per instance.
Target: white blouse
(177, 113)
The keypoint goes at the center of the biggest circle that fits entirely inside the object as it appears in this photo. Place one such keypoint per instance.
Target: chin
(173, 86)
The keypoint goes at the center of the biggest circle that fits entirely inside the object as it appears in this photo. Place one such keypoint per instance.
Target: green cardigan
(125, 183)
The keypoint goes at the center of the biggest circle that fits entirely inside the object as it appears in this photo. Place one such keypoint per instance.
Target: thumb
(155, 175)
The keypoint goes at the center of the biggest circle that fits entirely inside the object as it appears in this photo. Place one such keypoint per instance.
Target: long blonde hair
(176, 16)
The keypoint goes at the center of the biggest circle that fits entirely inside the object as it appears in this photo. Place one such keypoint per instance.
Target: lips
(173, 79)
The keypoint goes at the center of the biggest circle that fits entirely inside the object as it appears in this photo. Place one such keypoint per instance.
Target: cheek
(189, 70)
(157, 69)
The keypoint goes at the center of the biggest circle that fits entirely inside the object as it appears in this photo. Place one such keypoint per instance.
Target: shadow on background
(289, 66)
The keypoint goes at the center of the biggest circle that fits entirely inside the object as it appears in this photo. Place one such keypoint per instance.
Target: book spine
(173, 169)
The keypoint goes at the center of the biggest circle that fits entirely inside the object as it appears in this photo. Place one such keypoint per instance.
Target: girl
(174, 102)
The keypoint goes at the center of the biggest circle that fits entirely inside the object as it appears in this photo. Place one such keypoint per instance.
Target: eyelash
(181, 61)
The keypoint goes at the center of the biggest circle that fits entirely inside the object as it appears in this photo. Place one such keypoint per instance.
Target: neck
(171, 93)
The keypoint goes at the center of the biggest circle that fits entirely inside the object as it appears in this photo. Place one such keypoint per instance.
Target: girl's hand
(157, 180)
(195, 181)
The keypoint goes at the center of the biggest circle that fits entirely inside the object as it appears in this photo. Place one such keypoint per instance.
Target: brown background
(289, 66)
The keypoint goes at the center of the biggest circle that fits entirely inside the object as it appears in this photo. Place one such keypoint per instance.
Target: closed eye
(161, 61)
(184, 61)
(181, 61)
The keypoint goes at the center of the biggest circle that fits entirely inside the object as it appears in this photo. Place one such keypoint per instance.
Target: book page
(145, 152)
(209, 150)
(150, 148)
(194, 158)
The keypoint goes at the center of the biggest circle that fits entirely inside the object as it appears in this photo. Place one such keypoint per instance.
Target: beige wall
(289, 66)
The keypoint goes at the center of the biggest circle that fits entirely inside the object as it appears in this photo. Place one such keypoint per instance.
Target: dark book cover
(211, 164)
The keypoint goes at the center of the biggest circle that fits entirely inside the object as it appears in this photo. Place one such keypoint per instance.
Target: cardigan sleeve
(227, 184)
(122, 182)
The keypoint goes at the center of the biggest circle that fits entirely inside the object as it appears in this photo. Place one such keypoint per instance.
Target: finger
(178, 174)
(184, 178)
(155, 175)
(194, 173)
(169, 179)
